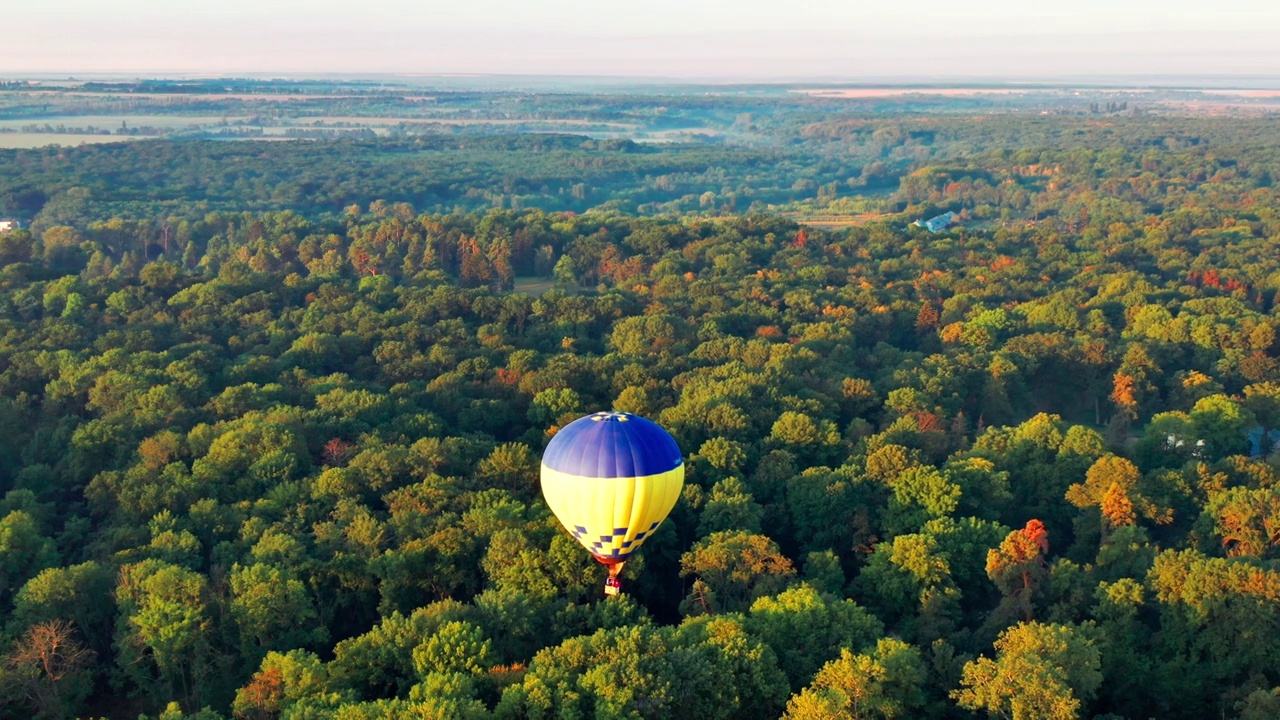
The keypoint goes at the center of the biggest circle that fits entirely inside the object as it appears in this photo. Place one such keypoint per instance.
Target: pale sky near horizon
(846, 39)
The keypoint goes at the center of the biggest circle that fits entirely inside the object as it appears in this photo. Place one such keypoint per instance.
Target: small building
(1263, 441)
(939, 223)
(9, 224)
(1173, 442)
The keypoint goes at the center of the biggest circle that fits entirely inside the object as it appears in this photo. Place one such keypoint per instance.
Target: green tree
(1221, 422)
(564, 272)
(16, 247)
(162, 633)
(1040, 672)
(920, 494)
(64, 593)
(761, 687)
(380, 663)
(730, 507)
(806, 629)
(456, 647)
(283, 681)
(910, 576)
(886, 683)
(815, 440)
(637, 671)
(512, 467)
(25, 552)
(272, 610)
(738, 567)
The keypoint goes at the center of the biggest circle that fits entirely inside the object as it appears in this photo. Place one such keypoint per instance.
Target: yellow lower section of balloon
(611, 517)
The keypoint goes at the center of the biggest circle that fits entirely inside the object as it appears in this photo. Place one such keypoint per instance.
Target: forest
(274, 413)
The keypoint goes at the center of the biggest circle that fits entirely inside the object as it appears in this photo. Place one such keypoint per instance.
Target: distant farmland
(22, 141)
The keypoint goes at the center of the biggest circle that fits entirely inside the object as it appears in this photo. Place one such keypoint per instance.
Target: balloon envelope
(611, 478)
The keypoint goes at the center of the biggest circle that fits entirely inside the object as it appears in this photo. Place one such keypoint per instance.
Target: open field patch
(534, 286)
(839, 221)
(21, 140)
(114, 122)
(860, 93)
(356, 119)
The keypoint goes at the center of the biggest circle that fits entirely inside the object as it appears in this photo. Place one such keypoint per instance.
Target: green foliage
(61, 593)
(730, 507)
(25, 550)
(272, 609)
(272, 438)
(163, 631)
(456, 647)
(911, 575)
(635, 672)
(738, 567)
(1040, 671)
(806, 629)
(381, 662)
(746, 661)
(884, 684)
(286, 680)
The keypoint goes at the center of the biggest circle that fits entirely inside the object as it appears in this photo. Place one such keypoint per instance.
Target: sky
(847, 40)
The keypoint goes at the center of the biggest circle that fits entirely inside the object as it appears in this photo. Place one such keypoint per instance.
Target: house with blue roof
(1263, 441)
(939, 223)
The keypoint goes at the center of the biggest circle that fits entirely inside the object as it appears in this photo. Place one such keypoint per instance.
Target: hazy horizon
(820, 39)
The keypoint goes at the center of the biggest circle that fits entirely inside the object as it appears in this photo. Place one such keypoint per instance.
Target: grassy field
(277, 127)
(356, 119)
(11, 141)
(838, 221)
(112, 122)
(534, 286)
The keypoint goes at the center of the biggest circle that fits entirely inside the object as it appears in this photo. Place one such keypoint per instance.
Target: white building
(939, 223)
(7, 224)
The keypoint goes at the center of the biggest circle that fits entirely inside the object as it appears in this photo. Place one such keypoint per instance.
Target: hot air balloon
(611, 478)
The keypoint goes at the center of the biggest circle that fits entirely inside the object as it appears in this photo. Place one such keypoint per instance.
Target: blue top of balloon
(612, 445)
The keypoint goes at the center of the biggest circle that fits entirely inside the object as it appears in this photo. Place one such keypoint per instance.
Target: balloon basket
(612, 585)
